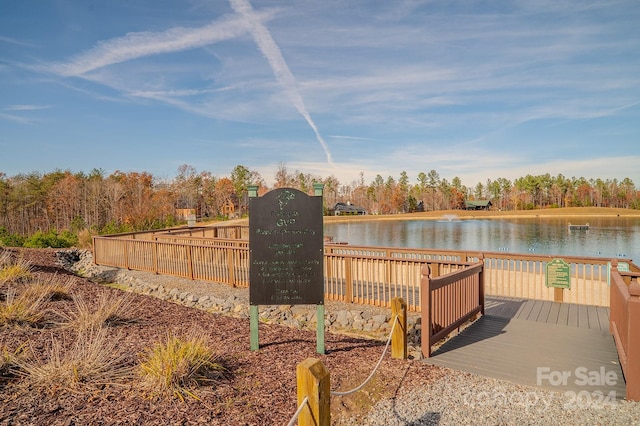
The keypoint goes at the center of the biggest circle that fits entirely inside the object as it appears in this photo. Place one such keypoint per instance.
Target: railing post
(230, 266)
(126, 254)
(348, 280)
(425, 312)
(632, 375)
(190, 260)
(481, 284)
(155, 255)
(399, 336)
(435, 270)
(314, 383)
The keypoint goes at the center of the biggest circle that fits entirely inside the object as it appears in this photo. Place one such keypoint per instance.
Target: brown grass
(92, 363)
(14, 270)
(26, 308)
(109, 311)
(50, 287)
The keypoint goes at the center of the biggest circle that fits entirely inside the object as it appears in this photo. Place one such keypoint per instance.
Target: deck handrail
(449, 301)
(371, 273)
(624, 324)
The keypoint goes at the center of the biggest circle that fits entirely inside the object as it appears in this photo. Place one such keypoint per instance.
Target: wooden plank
(592, 315)
(563, 314)
(583, 316)
(572, 318)
(603, 317)
(535, 310)
(544, 311)
(554, 313)
(525, 310)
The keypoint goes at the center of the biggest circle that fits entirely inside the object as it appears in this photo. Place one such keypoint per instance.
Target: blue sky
(474, 89)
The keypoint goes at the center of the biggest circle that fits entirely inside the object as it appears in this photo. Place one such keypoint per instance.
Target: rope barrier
(336, 393)
(298, 411)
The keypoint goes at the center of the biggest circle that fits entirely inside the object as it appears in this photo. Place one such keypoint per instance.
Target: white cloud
(26, 107)
(141, 44)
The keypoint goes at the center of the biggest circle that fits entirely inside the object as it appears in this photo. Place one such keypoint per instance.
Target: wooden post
(399, 336)
(231, 267)
(320, 329)
(613, 299)
(155, 255)
(558, 295)
(190, 261)
(632, 374)
(425, 311)
(348, 280)
(481, 284)
(314, 383)
(253, 327)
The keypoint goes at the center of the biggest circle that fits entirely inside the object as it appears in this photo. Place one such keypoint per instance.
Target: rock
(379, 319)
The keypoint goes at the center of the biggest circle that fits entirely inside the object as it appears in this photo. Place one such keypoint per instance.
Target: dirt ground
(258, 388)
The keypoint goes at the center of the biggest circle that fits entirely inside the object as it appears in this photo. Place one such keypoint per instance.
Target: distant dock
(584, 227)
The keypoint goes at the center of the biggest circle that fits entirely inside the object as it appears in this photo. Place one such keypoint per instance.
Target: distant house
(347, 209)
(478, 205)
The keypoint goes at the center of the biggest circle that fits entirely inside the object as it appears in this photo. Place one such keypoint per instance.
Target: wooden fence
(624, 324)
(448, 301)
(370, 275)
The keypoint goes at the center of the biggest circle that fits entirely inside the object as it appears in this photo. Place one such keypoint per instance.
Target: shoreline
(563, 212)
(578, 212)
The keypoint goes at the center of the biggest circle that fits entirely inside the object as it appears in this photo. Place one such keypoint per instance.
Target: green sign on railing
(558, 274)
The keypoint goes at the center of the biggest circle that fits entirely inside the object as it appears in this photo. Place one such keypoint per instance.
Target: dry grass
(14, 270)
(176, 367)
(27, 308)
(92, 362)
(51, 287)
(109, 311)
(85, 239)
(9, 362)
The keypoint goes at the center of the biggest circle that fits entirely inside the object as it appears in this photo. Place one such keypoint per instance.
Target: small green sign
(558, 274)
(623, 267)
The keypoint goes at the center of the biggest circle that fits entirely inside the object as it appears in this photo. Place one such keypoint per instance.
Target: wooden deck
(534, 343)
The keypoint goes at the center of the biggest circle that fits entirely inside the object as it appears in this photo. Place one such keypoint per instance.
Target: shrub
(176, 367)
(8, 239)
(92, 362)
(51, 239)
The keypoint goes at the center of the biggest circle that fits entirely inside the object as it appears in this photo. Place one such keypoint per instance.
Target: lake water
(617, 237)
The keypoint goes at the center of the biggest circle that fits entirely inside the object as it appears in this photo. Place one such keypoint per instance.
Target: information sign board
(286, 248)
(558, 274)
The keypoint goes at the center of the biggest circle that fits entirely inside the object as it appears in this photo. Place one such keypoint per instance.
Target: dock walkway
(556, 346)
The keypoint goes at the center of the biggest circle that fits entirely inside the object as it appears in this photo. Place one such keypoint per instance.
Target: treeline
(61, 204)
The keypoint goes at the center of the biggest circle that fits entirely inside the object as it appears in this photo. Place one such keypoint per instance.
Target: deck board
(516, 337)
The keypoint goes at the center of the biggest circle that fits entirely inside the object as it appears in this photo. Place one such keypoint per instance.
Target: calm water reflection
(606, 237)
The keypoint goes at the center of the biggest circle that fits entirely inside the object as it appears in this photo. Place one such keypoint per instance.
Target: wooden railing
(448, 301)
(355, 273)
(216, 263)
(624, 324)
(512, 275)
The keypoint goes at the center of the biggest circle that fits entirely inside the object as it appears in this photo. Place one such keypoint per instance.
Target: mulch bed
(259, 388)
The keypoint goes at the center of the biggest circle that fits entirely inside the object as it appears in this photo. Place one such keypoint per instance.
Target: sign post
(286, 250)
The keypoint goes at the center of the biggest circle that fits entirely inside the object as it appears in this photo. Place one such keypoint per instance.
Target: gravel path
(462, 398)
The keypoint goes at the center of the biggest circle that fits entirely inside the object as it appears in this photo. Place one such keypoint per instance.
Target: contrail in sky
(272, 52)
